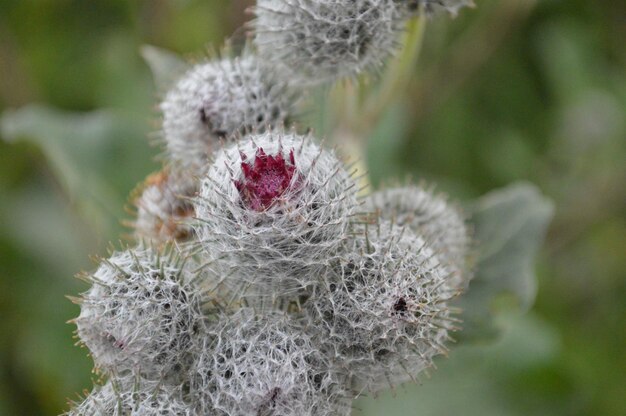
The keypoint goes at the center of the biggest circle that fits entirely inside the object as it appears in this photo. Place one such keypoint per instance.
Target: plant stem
(396, 78)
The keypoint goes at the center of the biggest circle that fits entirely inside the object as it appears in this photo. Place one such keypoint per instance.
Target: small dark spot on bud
(203, 116)
(317, 381)
(269, 403)
(400, 307)
(382, 353)
(117, 343)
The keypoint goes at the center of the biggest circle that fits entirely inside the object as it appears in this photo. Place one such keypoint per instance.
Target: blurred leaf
(509, 226)
(166, 66)
(89, 153)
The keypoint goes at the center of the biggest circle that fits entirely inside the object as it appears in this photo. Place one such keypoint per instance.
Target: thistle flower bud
(273, 209)
(141, 315)
(433, 218)
(265, 365)
(117, 398)
(164, 208)
(314, 41)
(430, 7)
(217, 99)
(383, 308)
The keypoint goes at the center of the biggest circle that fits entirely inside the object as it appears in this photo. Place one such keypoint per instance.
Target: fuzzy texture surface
(267, 366)
(383, 309)
(216, 100)
(435, 219)
(315, 41)
(163, 207)
(272, 211)
(141, 315)
(126, 398)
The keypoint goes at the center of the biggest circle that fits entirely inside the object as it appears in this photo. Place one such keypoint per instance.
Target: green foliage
(509, 226)
(80, 148)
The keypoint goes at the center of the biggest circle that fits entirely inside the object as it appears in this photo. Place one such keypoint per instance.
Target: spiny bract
(266, 365)
(383, 308)
(432, 217)
(141, 315)
(217, 99)
(314, 41)
(272, 211)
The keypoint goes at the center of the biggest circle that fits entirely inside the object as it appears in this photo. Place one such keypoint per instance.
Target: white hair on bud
(314, 41)
(128, 398)
(273, 210)
(266, 365)
(141, 315)
(384, 308)
(216, 100)
(164, 207)
(432, 217)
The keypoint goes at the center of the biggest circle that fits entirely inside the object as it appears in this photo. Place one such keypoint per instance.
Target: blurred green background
(511, 90)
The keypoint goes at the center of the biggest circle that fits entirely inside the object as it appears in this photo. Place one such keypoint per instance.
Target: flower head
(266, 365)
(314, 41)
(215, 100)
(384, 308)
(163, 206)
(141, 315)
(432, 217)
(272, 210)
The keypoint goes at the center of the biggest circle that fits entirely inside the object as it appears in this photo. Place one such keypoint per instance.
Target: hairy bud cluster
(164, 208)
(433, 218)
(217, 99)
(124, 398)
(266, 365)
(273, 209)
(288, 299)
(313, 41)
(383, 308)
(141, 314)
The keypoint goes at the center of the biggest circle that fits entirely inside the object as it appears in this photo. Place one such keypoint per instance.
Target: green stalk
(397, 76)
(353, 118)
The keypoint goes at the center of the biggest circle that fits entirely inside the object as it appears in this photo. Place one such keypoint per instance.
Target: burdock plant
(264, 278)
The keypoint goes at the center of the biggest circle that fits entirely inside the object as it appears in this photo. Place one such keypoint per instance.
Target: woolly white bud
(313, 41)
(430, 7)
(141, 315)
(434, 219)
(117, 398)
(265, 365)
(383, 308)
(217, 99)
(163, 206)
(274, 209)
